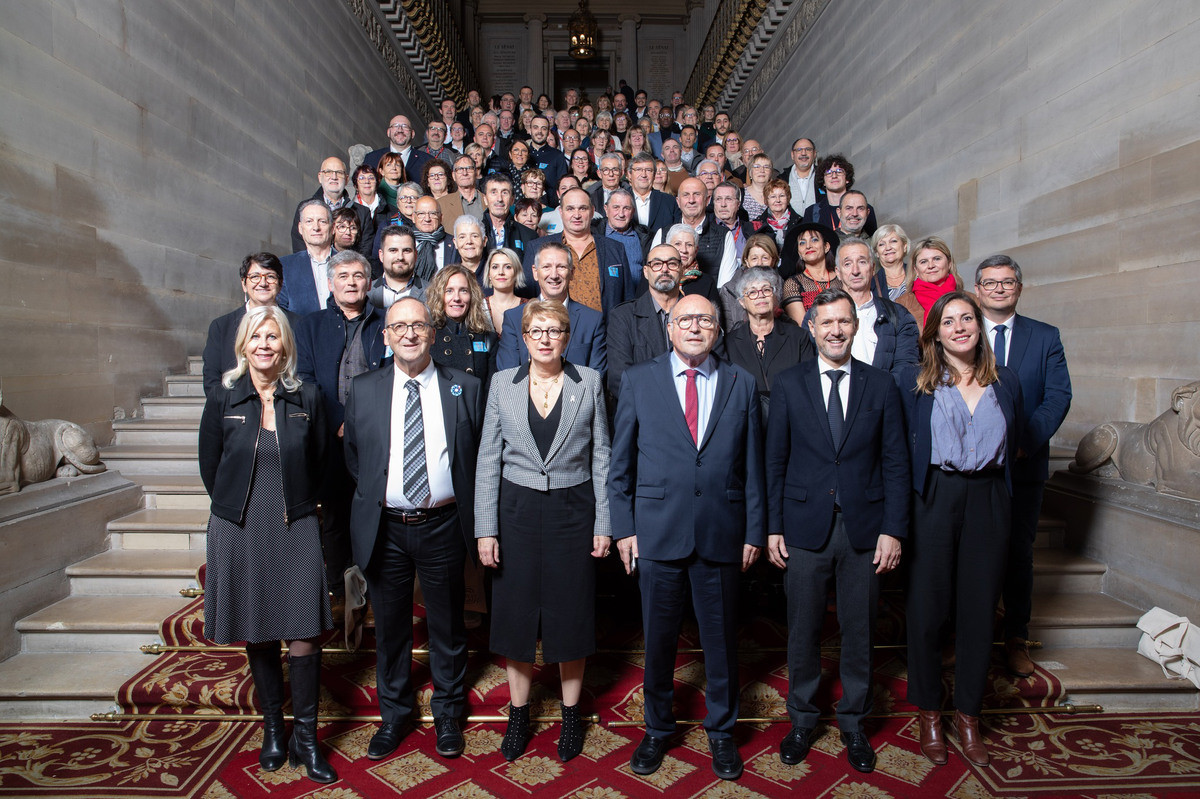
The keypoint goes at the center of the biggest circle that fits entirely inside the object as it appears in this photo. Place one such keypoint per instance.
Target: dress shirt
(964, 441)
(824, 366)
(989, 327)
(643, 209)
(632, 243)
(866, 338)
(706, 389)
(320, 270)
(437, 451)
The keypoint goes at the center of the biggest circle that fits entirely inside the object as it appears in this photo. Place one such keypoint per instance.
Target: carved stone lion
(32, 452)
(1164, 453)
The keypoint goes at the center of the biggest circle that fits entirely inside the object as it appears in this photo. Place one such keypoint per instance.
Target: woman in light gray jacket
(541, 516)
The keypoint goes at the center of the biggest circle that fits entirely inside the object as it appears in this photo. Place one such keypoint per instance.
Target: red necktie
(691, 404)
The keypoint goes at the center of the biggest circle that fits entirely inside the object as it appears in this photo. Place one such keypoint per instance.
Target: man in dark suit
(1034, 351)
(401, 136)
(838, 498)
(412, 433)
(637, 329)
(332, 191)
(553, 268)
(687, 502)
(655, 210)
(498, 224)
(305, 286)
(602, 279)
(887, 335)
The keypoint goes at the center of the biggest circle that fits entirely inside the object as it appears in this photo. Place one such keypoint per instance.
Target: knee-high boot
(306, 688)
(267, 671)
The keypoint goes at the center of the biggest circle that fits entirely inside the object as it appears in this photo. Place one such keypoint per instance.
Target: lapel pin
(456, 390)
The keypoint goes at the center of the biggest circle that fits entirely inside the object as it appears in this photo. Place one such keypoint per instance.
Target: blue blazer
(617, 283)
(676, 497)
(298, 293)
(869, 470)
(918, 409)
(320, 339)
(1035, 353)
(587, 346)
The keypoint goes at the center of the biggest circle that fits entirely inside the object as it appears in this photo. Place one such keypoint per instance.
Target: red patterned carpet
(193, 754)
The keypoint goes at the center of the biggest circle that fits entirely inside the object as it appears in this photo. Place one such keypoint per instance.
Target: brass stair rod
(1067, 708)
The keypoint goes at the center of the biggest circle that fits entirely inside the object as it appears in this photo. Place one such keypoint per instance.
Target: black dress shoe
(727, 763)
(649, 755)
(795, 745)
(449, 737)
(859, 752)
(385, 740)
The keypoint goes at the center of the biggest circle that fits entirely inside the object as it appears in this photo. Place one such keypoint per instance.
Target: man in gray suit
(411, 435)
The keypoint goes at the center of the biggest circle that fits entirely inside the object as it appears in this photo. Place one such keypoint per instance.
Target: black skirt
(546, 583)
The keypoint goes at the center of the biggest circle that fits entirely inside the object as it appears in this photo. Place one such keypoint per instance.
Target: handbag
(1172, 642)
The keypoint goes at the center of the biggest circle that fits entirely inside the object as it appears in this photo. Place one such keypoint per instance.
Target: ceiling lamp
(583, 31)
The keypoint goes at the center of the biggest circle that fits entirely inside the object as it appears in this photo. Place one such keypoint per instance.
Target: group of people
(518, 367)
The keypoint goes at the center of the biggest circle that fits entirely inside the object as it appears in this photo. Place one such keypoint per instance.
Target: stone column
(536, 77)
(629, 49)
(470, 37)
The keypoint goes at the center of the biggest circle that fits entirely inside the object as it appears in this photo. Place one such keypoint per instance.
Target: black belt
(420, 515)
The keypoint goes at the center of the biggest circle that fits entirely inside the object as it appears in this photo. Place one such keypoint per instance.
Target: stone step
(156, 432)
(1051, 533)
(97, 623)
(184, 385)
(1057, 571)
(1083, 620)
(55, 686)
(173, 407)
(172, 491)
(176, 459)
(1118, 679)
(161, 528)
(136, 572)
(195, 365)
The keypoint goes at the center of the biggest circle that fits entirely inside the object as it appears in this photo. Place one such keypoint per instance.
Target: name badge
(479, 346)
(542, 165)
(614, 271)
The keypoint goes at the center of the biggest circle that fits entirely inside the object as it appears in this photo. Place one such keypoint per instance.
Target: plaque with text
(657, 67)
(505, 67)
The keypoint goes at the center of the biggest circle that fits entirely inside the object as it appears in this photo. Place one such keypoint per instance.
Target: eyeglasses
(267, 278)
(705, 321)
(610, 170)
(1009, 283)
(339, 172)
(758, 293)
(708, 174)
(658, 264)
(407, 198)
(427, 214)
(804, 149)
(464, 169)
(400, 329)
(401, 126)
(536, 333)
(345, 226)
(835, 170)
(761, 166)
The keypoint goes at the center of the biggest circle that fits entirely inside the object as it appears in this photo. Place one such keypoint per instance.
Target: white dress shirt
(706, 389)
(643, 209)
(989, 327)
(437, 451)
(866, 338)
(824, 366)
(320, 271)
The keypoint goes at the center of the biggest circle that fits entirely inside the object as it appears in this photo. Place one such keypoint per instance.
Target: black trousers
(714, 590)
(805, 580)
(957, 550)
(435, 552)
(335, 521)
(1018, 578)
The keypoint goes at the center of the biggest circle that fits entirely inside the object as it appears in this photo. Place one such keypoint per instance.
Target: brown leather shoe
(1017, 657)
(933, 743)
(969, 739)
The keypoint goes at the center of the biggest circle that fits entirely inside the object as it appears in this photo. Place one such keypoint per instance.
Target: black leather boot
(267, 671)
(570, 739)
(516, 736)
(306, 689)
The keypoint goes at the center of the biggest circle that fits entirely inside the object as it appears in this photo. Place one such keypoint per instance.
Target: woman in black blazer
(262, 446)
(464, 337)
(767, 342)
(964, 423)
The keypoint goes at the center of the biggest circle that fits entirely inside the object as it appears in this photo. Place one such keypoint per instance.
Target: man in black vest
(715, 242)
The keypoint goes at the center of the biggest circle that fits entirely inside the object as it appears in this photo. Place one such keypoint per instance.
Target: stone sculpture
(32, 452)
(1164, 453)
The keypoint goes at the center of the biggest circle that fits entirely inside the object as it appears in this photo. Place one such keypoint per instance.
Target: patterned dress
(265, 579)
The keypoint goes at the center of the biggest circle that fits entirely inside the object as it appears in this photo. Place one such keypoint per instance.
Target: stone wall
(147, 146)
(1062, 133)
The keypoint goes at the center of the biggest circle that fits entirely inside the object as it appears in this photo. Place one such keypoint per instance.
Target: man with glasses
(610, 179)
(750, 148)
(553, 269)
(686, 495)
(412, 434)
(333, 346)
(466, 197)
(801, 176)
(435, 143)
(401, 135)
(1034, 351)
(655, 210)
(332, 191)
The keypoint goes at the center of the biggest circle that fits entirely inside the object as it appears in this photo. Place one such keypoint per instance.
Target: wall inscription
(657, 68)
(506, 65)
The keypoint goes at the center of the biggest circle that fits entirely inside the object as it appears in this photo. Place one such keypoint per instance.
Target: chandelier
(583, 31)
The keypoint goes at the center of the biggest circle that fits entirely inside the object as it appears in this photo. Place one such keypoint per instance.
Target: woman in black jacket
(262, 449)
(463, 338)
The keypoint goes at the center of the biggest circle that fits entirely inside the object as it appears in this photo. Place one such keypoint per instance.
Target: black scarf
(427, 244)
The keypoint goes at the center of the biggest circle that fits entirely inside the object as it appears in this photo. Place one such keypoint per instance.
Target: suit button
(699, 462)
(380, 503)
(698, 492)
(837, 463)
(831, 492)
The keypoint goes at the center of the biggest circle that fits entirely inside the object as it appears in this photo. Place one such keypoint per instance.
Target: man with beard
(435, 143)
(398, 254)
(400, 135)
(546, 158)
(801, 176)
